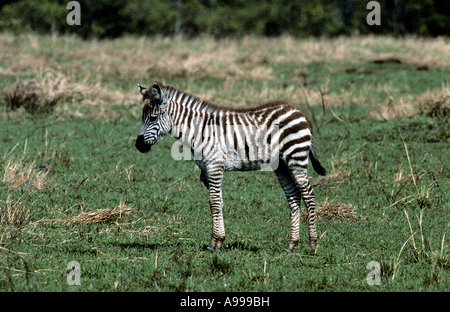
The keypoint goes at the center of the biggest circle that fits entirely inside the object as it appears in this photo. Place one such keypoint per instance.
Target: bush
(435, 103)
(36, 95)
(40, 16)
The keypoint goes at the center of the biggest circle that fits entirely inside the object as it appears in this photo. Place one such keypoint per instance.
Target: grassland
(74, 188)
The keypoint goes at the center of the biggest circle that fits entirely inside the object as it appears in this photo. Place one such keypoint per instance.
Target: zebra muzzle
(141, 145)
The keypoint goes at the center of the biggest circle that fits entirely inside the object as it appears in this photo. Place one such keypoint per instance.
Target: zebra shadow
(244, 246)
(142, 246)
(236, 245)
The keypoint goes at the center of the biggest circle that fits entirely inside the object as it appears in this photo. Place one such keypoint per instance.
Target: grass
(74, 188)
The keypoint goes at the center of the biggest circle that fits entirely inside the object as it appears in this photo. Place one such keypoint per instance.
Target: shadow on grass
(142, 246)
(244, 246)
(154, 246)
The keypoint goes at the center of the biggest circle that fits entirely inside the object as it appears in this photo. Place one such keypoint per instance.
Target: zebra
(228, 131)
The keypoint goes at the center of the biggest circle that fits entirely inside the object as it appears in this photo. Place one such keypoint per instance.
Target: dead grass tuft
(401, 178)
(339, 172)
(37, 95)
(433, 103)
(333, 211)
(391, 109)
(14, 213)
(338, 176)
(49, 88)
(18, 174)
(98, 216)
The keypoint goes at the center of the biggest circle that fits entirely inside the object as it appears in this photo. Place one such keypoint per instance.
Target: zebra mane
(188, 100)
(195, 103)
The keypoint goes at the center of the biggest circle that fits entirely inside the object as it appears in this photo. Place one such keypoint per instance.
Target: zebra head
(156, 121)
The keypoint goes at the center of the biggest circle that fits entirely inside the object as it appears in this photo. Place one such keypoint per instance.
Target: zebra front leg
(216, 204)
(218, 229)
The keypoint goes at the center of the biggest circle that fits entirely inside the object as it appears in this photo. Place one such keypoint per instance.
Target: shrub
(435, 103)
(37, 95)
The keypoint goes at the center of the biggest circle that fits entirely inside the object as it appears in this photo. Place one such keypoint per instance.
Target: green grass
(160, 245)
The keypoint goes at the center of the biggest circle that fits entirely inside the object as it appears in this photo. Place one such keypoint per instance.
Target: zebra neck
(187, 123)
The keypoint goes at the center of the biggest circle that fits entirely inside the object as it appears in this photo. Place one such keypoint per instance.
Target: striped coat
(274, 135)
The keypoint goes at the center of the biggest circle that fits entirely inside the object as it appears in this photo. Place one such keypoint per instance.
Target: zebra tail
(317, 166)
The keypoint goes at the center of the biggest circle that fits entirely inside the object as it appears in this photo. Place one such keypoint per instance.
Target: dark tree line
(220, 18)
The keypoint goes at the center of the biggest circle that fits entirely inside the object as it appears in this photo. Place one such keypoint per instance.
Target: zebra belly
(240, 161)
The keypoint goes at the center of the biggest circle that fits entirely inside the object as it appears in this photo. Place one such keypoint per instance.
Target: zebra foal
(223, 139)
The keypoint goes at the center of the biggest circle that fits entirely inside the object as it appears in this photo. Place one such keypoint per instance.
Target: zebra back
(282, 124)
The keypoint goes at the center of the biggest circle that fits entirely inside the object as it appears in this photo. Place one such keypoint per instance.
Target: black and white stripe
(274, 135)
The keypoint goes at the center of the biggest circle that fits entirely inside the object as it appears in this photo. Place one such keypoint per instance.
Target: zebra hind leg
(308, 196)
(293, 197)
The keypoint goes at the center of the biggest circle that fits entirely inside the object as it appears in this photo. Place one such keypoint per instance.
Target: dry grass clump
(98, 216)
(49, 88)
(13, 213)
(18, 174)
(433, 103)
(338, 176)
(339, 172)
(391, 109)
(333, 211)
(401, 178)
(37, 95)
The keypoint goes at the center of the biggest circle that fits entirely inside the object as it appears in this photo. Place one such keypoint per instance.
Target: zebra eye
(153, 117)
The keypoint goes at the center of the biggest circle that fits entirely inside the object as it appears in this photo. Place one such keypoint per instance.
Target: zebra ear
(143, 90)
(157, 92)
